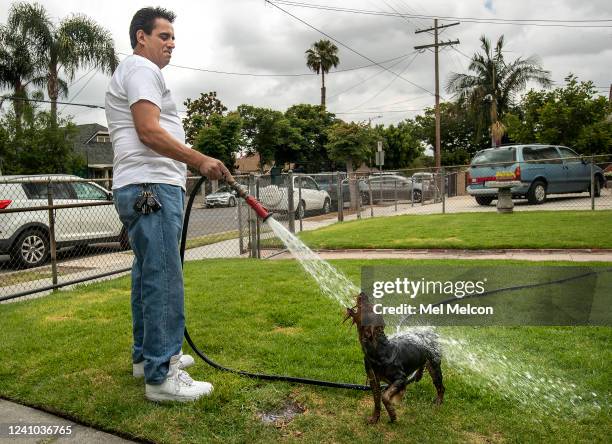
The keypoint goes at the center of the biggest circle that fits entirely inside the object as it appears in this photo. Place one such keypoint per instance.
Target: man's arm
(150, 133)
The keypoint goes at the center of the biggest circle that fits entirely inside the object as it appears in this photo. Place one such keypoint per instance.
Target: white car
(276, 198)
(24, 235)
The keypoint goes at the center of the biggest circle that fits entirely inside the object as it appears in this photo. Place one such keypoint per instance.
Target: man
(149, 175)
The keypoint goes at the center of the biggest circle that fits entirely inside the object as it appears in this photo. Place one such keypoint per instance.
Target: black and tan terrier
(397, 361)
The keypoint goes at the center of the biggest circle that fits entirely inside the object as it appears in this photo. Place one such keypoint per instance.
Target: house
(93, 143)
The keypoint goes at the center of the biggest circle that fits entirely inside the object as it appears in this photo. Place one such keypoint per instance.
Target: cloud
(250, 36)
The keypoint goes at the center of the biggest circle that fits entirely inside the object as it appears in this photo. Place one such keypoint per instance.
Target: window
(544, 154)
(102, 138)
(569, 156)
(550, 154)
(309, 184)
(87, 191)
(38, 190)
(495, 156)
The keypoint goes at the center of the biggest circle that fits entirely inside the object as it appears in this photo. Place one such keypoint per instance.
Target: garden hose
(218, 366)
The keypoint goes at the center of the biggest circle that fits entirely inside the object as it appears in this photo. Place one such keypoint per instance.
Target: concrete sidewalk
(16, 417)
(576, 255)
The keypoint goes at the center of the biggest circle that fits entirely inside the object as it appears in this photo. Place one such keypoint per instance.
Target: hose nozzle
(259, 209)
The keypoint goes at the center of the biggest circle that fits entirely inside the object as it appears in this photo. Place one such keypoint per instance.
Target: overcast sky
(250, 36)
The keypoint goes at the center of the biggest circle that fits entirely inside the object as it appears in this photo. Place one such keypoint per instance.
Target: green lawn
(543, 229)
(70, 353)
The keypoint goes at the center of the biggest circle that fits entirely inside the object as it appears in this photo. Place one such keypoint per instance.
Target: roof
(95, 153)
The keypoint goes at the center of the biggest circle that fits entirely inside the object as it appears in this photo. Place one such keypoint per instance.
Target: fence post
(593, 183)
(340, 198)
(299, 200)
(370, 196)
(443, 191)
(395, 193)
(239, 214)
(52, 233)
(258, 220)
(290, 203)
(358, 196)
(252, 226)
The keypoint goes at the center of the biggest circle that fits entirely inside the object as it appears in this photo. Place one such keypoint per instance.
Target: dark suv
(541, 169)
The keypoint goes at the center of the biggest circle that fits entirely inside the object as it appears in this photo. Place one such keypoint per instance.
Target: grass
(69, 353)
(543, 229)
(208, 239)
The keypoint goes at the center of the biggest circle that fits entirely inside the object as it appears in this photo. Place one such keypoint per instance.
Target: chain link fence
(61, 230)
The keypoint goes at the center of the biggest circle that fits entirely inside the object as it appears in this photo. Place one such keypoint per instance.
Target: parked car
(541, 169)
(276, 198)
(387, 186)
(223, 197)
(329, 183)
(25, 235)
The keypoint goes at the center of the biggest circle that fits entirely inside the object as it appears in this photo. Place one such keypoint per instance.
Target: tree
(76, 42)
(491, 91)
(40, 147)
(320, 58)
(311, 123)
(572, 115)
(459, 131)
(199, 112)
(220, 138)
(351, 143)
(18, 67)
(401, 144)
(268, 133)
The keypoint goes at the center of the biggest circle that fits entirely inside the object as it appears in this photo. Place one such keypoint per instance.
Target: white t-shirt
(137, 78)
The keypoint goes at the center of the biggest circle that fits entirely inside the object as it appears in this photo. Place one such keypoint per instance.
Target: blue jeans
(158, 318)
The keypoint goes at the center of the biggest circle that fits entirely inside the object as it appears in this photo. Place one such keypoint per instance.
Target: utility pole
(436, 45)
(610, 94)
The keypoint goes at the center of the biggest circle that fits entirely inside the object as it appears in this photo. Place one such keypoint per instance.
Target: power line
(495, 21)
(79, 91)
(384, 88)
(346, 46)
(49, 101)
(363, 81)
(249, 74)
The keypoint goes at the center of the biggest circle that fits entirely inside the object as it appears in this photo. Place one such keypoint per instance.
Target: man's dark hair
(145, 19)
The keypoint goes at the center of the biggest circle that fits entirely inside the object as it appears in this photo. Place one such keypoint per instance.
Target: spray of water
(333, 284)
(482, 366)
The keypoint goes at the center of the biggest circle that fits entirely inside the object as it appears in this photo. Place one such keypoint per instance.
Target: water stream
(480, 364)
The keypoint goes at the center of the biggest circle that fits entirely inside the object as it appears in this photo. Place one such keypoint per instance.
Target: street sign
(380, 158)
(379, 145)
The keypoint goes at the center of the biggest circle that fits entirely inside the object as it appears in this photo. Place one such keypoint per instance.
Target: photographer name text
(431, 309)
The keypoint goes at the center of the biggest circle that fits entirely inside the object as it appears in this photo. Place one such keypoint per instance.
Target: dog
(398, 361)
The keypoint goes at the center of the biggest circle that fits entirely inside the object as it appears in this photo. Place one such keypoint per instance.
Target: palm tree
(495, 85)
(320, 58)
(18, 70)
(76, 42)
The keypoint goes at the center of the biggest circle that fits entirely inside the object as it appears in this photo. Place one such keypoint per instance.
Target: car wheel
(124, 240)
(596, 187)
(300, 210)
(484, 200)
(417, 195)
(537, 193)
(326, 207)
(31, 249)
(231, 202)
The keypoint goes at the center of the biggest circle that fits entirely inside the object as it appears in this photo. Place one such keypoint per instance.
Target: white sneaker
(185, 361)
(178, 386)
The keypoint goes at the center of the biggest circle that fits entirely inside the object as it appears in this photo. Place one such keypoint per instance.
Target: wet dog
(398, 361)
